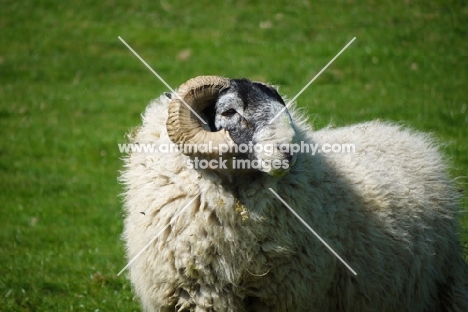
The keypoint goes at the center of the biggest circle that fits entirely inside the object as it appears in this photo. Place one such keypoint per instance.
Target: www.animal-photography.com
(234, 156)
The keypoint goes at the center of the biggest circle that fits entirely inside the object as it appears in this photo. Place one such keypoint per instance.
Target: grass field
(70, 91)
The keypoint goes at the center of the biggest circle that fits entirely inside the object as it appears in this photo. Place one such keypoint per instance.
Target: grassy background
(70, 90)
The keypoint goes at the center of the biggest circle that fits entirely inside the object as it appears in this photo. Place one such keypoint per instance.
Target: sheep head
(237, 113)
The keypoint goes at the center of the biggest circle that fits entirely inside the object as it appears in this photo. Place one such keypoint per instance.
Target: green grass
(70, 90)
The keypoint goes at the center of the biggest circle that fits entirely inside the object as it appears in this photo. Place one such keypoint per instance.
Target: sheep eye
(229, 112)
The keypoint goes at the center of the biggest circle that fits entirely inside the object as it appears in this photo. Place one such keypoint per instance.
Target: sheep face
(245, 109)
(248, 117)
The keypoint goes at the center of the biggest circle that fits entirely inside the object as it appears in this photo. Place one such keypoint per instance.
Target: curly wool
(387, 209)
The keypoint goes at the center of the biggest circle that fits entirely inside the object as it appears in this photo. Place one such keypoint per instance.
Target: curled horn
(185, 128)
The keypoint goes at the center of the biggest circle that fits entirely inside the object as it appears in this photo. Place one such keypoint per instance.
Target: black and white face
(245, 110)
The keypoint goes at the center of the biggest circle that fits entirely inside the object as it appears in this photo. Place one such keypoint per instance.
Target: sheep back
(387, 209)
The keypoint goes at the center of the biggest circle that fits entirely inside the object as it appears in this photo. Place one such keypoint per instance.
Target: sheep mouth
(278, 167)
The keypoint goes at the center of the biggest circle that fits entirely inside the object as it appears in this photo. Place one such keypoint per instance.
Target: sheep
(217, 239)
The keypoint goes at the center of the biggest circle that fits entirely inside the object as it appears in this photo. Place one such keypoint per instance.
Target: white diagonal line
(320, 72)
(162, 80)
(159, 233)
(313, 232)
(312, 80)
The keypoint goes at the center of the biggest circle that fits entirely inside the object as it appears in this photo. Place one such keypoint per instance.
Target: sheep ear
(271, 90)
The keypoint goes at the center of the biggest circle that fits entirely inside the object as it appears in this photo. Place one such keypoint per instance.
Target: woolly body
(387, 209)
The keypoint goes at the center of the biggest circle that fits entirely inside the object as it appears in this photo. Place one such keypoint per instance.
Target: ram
(207, 234)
